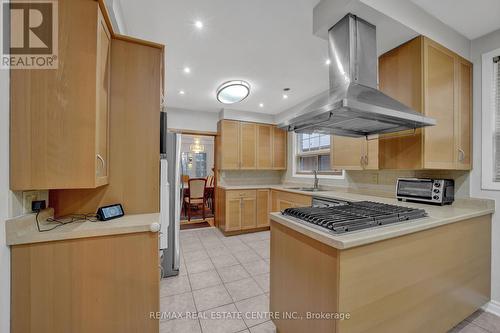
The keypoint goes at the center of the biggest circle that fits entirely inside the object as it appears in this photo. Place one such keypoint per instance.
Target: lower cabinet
(282, 200)
(96, 284)
(243, 210)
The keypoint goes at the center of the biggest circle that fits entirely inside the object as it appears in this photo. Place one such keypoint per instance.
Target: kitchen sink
(307, 189)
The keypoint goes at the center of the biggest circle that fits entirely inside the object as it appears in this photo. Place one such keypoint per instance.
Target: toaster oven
(432, 191)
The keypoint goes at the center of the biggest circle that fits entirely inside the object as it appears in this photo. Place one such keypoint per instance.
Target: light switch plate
(28, 198)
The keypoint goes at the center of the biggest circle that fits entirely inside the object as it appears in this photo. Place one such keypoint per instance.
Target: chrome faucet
(316, 180)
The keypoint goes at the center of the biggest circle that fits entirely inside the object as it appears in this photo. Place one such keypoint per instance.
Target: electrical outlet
(375, 178)
(28, 198)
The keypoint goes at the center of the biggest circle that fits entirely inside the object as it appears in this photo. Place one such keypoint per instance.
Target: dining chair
(210, 192)
(196, 196)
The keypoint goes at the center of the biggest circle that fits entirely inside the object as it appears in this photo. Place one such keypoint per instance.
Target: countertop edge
(21, 230)
(392, 231)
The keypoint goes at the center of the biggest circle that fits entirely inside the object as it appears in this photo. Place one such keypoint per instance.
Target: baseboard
(492, 307)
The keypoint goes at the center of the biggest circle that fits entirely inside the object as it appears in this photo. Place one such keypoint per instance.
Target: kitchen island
(425, 275)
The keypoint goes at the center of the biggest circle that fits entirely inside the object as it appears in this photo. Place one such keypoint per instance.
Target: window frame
(333, 174)
(488, 122)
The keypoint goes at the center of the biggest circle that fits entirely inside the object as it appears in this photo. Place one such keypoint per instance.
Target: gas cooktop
(344, 216)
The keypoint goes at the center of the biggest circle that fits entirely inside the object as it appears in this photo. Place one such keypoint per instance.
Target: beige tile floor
(224, 285)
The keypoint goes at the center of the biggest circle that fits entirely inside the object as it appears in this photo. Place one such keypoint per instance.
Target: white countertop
(460, 210)
(23, 230)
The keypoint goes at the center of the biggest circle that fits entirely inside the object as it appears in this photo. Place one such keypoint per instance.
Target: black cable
(91, 217)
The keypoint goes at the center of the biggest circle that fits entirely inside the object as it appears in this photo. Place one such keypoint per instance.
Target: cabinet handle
(366, 160)
(99, 157)
(361, 160)
(461, 155)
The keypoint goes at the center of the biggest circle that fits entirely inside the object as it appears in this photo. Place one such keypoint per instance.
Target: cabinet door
(230, 143)
(263, 208)
(102, 107)
(284, 204)
(248, 211)
(347, 153)
(400, 77)
(279, 148)
(233, 214)
(371, 154)
(463, 114)
(248, 145)
(264, 147)
(439, 89)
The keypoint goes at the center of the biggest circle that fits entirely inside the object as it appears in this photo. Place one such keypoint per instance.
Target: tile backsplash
(250, 177)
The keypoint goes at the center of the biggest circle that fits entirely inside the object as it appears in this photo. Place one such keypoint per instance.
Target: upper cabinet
(229, 138)
(60, 117)
(434, 81)
(251, 146)
(354, 153)
(279, 138)
(248, 146)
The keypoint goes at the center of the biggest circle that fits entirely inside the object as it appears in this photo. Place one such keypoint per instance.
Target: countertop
(461, 209)
(23, 230)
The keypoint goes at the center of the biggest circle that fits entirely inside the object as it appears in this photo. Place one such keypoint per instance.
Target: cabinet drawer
(233, 194)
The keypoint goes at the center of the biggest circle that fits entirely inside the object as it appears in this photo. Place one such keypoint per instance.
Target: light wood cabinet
(249, 212)
(61, 116)
(354, 153)
(242, 210)
(263, 207)
(438, 83)
(233, 212)
(434, 81)
(282, 200)
(78, 285)
(102, 105)
(239, 210)
(279, 148)
(264, 146)
(229, 154)
(248, 146)
(464, 115)
(251, 146)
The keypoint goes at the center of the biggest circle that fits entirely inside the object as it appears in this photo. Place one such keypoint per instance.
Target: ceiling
(270, 44)
(471, 18)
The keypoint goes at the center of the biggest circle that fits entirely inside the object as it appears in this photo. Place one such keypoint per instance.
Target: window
(313, 153)
(491, 120)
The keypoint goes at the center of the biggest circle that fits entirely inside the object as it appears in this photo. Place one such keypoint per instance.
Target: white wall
(4, 202)
(192, 120)
(479, 46)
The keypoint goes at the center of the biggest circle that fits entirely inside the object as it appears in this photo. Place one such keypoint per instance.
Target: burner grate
(355, 215)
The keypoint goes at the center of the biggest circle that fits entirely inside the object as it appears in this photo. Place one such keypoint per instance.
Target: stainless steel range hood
(354, 106)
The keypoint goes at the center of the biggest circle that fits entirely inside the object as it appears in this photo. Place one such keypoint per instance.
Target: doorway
(198, 182)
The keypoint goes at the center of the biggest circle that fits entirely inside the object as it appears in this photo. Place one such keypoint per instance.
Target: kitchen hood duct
(354, 106)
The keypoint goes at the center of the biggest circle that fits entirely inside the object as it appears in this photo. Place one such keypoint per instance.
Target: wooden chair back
(197, 188)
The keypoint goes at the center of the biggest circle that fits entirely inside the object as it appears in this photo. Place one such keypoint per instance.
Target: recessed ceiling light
(261, 105)
(198, 24)
(182, 92)
(328, 62)
(233, 91)
(285, 91)
(187, 70)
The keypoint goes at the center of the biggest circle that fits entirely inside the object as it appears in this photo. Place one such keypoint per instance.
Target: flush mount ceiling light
(231, 92)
